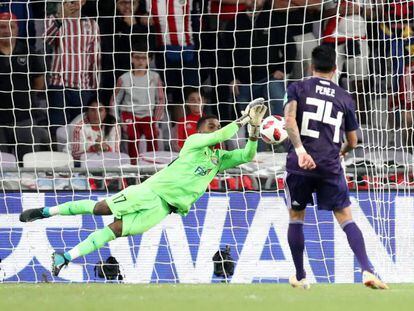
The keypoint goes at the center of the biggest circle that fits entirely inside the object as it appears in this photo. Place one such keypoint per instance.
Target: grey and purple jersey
(324, 113)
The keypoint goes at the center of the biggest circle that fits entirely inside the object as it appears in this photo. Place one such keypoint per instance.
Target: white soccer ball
(273, 130)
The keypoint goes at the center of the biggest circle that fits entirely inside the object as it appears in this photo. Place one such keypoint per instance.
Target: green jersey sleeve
(197, 141)
(185, 180)
(230, 159)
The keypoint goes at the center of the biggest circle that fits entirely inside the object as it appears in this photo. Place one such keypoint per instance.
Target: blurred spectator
(399, 12)
(94, 131)
(217, 14)
(140, 101)
(404, 103)
(395, 38)
(226, 10)
(303, 18)
(22, 9)
(260, 57)
(75, 62)
(187, 125)
(118, 35)
(176, 55)
(348, 33)
(22, 76)
(401, 100)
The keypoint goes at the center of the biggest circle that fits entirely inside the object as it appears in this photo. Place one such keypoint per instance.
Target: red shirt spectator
(349, 25)
(405, 97)
(227, 9)
(407, 85)
(398, 13)
(187, 125)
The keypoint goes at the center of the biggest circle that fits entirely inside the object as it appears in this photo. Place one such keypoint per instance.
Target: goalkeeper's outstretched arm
(211, 139)
(251, 113)
(239, 156)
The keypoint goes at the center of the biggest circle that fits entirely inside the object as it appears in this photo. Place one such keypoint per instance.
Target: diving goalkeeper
(172, 190)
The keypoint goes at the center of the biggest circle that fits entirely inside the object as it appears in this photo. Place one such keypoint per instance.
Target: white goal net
(99, 95)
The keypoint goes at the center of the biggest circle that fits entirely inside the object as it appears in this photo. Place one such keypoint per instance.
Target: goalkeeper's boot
(371, 281)
(58, 262)
(32, 215)
(304, 283)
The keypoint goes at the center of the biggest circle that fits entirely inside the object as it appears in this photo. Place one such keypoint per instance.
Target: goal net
(97, 96)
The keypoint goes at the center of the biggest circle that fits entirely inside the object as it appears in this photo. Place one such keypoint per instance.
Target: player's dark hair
(204, 118)
(190, 90)
(140, 46)
(109, 121)
(324, 58)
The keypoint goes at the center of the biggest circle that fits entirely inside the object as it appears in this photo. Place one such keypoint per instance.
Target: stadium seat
(173, 143)
(105, 159)
(62, 139)
(48, 159)
(390, 157)
(164, 134)
(157, 157)
(7, 160)
(397, 139)
(372, 137)
(267, 165)
(358, 152)
(372, 157)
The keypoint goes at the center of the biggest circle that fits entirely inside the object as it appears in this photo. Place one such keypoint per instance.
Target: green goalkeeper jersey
(186, 179)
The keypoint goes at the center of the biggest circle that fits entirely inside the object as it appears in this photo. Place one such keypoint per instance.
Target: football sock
(71, 208)
(357, 244)
(59, 260)
(93, 242)
(296, 240)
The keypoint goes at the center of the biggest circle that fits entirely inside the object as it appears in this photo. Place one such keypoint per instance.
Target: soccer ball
(273, 130)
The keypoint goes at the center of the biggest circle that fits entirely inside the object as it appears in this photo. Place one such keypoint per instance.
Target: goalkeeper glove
(246, 114)
(256, 115)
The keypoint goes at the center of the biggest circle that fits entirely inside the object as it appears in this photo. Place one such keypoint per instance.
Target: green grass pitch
(120, 297)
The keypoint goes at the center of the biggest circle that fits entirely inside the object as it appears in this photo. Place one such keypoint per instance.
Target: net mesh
(97, 96)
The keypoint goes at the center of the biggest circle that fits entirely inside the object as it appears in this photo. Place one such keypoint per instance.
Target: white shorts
(305, 43)
(356, 67)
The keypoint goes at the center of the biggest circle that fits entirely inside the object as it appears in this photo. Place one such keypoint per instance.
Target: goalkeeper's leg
(80, 207)
(130, 224)
(357, 244)
(92, 243)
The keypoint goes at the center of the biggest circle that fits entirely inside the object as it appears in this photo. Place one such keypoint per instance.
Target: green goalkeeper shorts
(139, 208)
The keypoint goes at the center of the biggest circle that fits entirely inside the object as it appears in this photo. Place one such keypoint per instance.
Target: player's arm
(350, 143)
(211, 139)
(305, 160)
(351, 126)
(199, 140)
(239, 156)
(236, 157)
(52, 31)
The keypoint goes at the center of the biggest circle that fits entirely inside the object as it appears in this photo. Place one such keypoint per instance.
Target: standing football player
(318, 114)
(172, 190)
